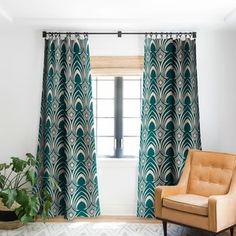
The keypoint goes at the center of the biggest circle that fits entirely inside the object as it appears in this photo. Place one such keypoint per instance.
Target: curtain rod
(119, 33)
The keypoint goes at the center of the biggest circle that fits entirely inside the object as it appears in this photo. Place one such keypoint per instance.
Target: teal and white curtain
(66, 133)
(170, 115)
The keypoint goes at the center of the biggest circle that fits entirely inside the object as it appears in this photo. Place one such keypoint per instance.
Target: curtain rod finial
(44, 34)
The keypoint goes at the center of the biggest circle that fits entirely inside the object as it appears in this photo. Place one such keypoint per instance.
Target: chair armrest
(164, 191)
(221, 211)
(222, 208)
(180, 188)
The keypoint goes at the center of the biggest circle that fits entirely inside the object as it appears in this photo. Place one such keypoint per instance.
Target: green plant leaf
(34, 200)
(31, 160)
(29, 208)
(22, 197)
(2, 181)
(26, 218)
(18, 165)
(31, 177)
(8, 197)
(46, 207)
(53, 182)
(34, 205)
(31, 202)
(19, 211)
(4, 166)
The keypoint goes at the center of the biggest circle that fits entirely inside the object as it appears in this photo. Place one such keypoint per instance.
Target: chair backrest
(210, 172)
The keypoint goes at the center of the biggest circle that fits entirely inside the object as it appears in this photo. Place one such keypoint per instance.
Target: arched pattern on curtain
(170, 115)
(66, 134)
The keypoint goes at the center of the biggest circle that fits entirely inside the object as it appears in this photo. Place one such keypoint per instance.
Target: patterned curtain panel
(170, 116)
(66, 133)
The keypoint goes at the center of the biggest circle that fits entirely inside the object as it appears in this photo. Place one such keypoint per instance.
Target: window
(117, 106)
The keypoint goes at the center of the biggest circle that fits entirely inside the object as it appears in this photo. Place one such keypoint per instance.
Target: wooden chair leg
(164, 224)
(232, 231)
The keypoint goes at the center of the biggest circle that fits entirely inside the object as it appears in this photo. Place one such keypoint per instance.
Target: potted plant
(19, 192)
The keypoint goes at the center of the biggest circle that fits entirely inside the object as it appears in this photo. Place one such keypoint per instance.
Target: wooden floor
(173, 230)
(98, 219)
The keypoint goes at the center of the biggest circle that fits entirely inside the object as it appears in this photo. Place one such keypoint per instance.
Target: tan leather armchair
(205, 196)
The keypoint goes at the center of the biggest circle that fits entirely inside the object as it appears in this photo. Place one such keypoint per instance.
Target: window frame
(118, 67)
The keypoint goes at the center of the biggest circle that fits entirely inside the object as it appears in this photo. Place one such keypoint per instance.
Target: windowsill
(115, 158)
(126, 162)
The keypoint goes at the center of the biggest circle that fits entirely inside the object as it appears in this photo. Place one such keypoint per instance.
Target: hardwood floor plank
(126, 219)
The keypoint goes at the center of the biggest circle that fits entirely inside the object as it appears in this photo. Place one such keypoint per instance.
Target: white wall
(21, 63)
(21, 66)
(118, 186)
(216, 61)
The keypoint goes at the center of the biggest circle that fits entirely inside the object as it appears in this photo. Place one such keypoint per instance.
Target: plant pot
(8, 215)
(8, 218)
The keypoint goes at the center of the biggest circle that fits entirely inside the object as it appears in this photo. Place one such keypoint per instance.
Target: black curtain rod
(119, 33)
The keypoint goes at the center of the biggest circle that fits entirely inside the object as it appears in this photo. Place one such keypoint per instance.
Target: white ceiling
(119, 14)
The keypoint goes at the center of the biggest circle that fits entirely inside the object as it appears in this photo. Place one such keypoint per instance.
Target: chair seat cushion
(190, 203)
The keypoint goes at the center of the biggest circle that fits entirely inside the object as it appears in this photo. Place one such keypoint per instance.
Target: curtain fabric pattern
(170, 115)
(66, 134)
